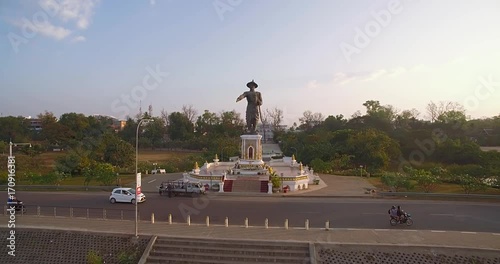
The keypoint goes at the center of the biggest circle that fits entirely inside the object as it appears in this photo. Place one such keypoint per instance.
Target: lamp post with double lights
(137, 186)
(15, 145)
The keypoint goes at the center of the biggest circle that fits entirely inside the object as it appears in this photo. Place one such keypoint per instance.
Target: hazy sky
(103, 57)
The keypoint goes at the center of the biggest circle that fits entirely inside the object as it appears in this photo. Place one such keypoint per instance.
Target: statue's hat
(252, 84)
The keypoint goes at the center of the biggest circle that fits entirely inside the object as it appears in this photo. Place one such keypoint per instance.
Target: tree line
(444, 147)
(382, 139)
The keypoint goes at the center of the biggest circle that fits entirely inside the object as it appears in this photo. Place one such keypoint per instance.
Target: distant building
(267, 133)
(34, 123)
(116, 124)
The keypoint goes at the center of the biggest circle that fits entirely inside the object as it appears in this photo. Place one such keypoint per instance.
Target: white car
(125, 195)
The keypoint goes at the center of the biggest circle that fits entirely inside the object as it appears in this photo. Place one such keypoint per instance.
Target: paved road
(342, 213)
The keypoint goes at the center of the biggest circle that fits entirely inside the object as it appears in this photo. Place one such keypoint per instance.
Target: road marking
(354, 229)
(468, 232)
(381, 229)
(496, 234)
(151, 181)
(442, 214)
(437, 231)
(410, 230)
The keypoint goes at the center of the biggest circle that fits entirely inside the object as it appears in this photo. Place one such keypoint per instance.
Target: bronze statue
(254, 100)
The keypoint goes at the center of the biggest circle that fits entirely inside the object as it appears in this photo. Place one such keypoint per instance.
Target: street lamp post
(15, 145)
(9, 193)
(136, 173)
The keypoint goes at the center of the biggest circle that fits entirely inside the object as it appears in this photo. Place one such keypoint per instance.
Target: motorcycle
(405, 219)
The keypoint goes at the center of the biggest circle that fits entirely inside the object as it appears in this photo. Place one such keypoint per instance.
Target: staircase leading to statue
(228, 185)
(246, 185)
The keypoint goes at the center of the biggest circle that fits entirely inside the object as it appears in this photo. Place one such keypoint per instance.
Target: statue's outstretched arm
(240, 97)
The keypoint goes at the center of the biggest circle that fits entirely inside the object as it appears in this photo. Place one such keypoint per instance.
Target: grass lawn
(440, 188)
(48, 160)
(123, 180)
(162, 156)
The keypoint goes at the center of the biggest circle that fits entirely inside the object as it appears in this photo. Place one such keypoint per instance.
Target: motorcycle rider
(394, 213)
(12, 200)
(400, 213)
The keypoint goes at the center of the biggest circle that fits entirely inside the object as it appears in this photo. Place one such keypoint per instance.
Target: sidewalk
(396, 236)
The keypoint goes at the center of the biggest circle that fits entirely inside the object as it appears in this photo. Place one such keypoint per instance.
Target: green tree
(470, 184)
(76, 123)
(69, 164)
(320, 166)
(372, 148)
(101, 172)
(4, 147)
(116, 151)
(180, 127)
(425, 179)
(396, 181)
(14, 128)
(53, 177)
(155, 132)
(206, 123)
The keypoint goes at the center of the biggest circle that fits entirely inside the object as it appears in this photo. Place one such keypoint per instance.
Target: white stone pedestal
(251, 147)
(270, 188)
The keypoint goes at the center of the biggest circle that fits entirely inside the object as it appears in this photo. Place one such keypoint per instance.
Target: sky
(111, 57)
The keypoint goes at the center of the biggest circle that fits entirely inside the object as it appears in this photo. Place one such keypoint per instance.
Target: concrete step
(234, 244)
(199, 250)
(163, 260)
(161, 249)
(236, 258)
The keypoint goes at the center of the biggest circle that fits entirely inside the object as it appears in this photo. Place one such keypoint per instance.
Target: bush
(4, 178)
(396, 181)
(94, 258)
(470, 184)
(425, 179)
(469, 169)
(125, 257)
(349, 172)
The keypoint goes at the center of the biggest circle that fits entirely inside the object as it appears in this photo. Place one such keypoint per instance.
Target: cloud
(78, 39)
(152, 2)
(50, 30)
(312, 84)
(44, 28)
(375, 75)
(80, 11)
(341, 78)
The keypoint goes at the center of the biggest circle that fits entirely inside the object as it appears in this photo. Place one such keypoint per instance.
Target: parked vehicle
(125, 195)
(175, 188)
(405, 219)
